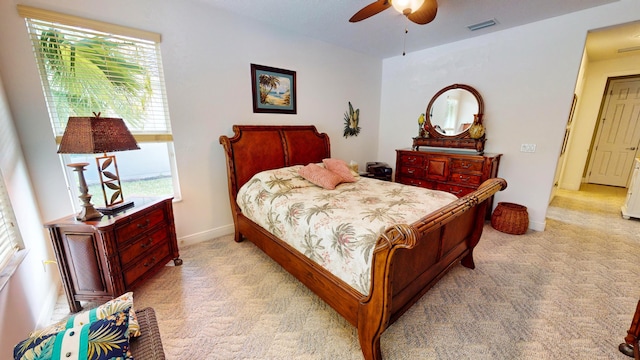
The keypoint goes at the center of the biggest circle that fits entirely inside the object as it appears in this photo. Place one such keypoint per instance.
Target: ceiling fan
(418, 11)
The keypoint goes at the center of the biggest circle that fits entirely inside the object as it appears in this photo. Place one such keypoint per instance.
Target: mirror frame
(463, 140)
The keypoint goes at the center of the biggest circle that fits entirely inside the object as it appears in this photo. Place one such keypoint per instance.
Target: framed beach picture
(274, 90)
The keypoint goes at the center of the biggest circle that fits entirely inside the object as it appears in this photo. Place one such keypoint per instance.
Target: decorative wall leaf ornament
(351, 122)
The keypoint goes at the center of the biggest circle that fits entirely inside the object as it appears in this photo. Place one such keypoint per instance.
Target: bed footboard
(409, 259)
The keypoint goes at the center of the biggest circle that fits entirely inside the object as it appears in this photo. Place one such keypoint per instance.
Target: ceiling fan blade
(425, 14)
(370, 10)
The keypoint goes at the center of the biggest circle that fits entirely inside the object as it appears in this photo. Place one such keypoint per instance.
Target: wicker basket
(510, 218)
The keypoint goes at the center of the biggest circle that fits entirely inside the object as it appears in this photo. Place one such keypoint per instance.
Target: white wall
(526, 76)
(28, 298)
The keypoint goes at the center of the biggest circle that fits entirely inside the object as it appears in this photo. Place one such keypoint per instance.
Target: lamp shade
(407, 7)
(92, 135)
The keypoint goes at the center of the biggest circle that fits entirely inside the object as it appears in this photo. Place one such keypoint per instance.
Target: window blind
(10, 240)
(91, 67)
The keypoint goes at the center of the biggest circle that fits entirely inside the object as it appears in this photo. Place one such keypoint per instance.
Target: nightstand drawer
(466, 165)
(146, 263)
(142, 245)
(466, 179)
(140, 224)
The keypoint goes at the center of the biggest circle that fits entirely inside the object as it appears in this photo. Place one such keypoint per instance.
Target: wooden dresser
(453, 171)
(102, 259)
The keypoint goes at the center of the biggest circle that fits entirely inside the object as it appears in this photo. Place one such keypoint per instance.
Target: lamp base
(88, 212)
(112, 209)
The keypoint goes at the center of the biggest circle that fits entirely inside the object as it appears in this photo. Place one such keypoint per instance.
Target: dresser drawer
(412, 171)
(466, 165)
(458, 191)
(466, 179)
(143, 244)
(415, 182)
(146, 263)
(139, 225)
(412, 160)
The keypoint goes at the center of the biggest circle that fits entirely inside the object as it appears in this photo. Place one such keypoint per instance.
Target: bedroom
(523, 76)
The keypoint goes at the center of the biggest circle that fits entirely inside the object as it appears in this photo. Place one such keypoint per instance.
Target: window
(89, 67)
(10, 240)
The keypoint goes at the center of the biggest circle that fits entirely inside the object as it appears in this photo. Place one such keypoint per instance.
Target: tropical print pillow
(104, 339)
(122, 302)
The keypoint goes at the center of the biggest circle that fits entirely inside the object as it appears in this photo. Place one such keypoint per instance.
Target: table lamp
(94, 135)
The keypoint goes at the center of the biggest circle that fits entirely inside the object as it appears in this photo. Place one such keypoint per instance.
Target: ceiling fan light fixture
(407, 7)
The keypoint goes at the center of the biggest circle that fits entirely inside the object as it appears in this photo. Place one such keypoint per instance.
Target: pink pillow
(341, 168)
(320, 176)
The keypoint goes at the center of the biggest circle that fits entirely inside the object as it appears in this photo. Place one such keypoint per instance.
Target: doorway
(617, 137)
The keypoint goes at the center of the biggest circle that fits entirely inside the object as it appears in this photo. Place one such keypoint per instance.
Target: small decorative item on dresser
(510, 218)
(421, 131)
(476, 131)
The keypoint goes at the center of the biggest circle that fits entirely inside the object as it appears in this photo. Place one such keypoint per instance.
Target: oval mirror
(451, 111)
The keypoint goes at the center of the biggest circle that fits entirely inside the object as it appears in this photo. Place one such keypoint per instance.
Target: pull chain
(404, 45)
(406, 31)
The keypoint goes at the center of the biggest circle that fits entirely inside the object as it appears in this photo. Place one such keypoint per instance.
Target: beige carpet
(566, 293)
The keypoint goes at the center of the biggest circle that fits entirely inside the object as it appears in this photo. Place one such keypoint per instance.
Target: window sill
(12, 266)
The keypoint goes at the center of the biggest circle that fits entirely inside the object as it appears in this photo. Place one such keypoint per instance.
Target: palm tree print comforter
(337, 229)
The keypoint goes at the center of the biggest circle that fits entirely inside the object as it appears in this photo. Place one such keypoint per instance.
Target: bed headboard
(256, 148)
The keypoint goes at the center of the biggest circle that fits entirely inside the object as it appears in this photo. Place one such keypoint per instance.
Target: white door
(618, 134)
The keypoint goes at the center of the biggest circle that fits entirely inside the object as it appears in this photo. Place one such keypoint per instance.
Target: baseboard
(205, 235)
(537, 225)
(48, 305)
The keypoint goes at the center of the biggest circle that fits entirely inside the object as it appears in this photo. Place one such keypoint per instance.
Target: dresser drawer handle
(454, 192)
(144, 245)
(146, 223)
(153, 261)
(411, 171)
(465, 165)
(465, 179)
(412, 159)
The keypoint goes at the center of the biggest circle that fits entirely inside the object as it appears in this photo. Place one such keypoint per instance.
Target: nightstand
(103, 258)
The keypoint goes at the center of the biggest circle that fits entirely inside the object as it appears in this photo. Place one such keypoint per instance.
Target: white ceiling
(383, 35)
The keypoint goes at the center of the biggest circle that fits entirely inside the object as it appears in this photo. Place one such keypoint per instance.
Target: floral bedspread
(337, 228)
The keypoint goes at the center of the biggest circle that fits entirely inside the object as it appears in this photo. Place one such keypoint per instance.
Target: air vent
(633, 48)
(482, 25)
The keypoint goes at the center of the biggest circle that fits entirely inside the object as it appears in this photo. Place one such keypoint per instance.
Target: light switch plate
(528, 148)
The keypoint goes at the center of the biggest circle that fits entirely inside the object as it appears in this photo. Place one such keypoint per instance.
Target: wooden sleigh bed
(408, 259)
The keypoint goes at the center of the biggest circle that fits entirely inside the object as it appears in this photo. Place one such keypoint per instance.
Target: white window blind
(10, 240)
(94, 67)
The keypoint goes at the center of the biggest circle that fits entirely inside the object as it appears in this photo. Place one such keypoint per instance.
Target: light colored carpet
(566, 293)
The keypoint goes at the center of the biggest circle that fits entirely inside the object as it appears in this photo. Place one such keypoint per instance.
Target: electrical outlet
(528, 148)
(47, 262)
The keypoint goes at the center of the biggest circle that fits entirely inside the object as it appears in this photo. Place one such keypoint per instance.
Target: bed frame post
(374, 311)
(467, 261)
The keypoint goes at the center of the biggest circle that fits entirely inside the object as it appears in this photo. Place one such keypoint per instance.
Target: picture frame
(567, 130)
(273, 90)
